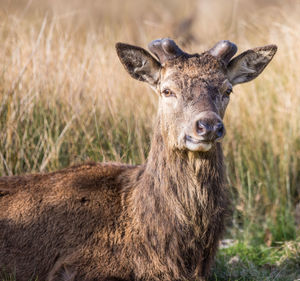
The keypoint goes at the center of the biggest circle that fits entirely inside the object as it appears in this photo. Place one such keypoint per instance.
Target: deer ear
(249, 64)
(139, 63)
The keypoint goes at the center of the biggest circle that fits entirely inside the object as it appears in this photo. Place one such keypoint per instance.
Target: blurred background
(65, 98)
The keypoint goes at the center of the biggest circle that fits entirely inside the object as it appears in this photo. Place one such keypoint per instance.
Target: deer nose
(210, 131)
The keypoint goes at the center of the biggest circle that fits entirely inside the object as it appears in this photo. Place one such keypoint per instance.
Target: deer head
(194, 89)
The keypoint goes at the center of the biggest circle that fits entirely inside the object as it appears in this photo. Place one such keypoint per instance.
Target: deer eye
(228, 91)
(168, 93)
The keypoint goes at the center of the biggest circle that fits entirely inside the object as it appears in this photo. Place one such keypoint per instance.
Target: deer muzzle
(208, 129)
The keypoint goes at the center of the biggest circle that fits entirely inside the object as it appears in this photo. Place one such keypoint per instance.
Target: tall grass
(65, 98)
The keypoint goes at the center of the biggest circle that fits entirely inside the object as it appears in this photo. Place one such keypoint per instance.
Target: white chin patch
(198, 146)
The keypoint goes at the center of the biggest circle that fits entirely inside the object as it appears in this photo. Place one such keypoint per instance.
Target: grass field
(65, 98)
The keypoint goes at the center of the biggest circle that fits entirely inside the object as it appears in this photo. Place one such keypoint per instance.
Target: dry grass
(65, 98)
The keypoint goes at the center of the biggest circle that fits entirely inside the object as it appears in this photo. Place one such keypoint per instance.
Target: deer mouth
(197, 144)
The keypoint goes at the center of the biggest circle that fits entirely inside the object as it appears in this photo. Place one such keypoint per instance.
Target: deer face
(194, 90)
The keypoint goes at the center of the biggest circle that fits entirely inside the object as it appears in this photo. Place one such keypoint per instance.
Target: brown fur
(158, 221)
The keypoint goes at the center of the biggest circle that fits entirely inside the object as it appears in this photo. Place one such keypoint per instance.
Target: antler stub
(165, 49)
(224, 50)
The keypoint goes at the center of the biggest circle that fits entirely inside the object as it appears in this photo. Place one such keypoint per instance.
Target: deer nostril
(200, 128)
(208, 131)
(219, 129)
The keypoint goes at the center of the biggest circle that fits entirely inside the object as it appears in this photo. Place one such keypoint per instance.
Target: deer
(161, 220)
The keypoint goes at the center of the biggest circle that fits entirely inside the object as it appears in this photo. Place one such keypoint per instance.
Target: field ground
(65, 98)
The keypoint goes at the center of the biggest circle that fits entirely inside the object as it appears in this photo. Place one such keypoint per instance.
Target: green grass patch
(245, 262)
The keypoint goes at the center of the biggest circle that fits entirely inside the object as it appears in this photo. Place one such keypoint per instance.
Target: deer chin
(197, 145)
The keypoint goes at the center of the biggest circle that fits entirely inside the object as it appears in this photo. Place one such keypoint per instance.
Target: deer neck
(179, 197)
(183, 174)
(185, 181)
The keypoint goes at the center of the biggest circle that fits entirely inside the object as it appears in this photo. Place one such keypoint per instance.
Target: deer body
(158, 221)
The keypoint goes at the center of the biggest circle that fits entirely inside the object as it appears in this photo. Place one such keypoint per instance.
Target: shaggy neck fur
(179, 205)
